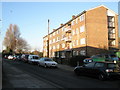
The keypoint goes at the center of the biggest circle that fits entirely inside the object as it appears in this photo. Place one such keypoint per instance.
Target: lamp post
(48, 41)
(1, 34)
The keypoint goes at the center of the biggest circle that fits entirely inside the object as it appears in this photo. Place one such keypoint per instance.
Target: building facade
(91, 32)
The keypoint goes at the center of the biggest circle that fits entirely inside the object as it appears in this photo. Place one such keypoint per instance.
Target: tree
(13, 42)
(37, 53)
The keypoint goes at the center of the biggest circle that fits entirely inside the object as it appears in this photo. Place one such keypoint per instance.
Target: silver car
(47, 62)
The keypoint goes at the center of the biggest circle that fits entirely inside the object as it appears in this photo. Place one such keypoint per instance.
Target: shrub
(77, 59)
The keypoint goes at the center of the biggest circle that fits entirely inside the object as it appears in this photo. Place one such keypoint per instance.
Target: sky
(32, 17)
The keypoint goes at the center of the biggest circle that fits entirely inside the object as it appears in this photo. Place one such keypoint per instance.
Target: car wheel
(101, 77)
(39, 64)
(45, 65)
(77, 72)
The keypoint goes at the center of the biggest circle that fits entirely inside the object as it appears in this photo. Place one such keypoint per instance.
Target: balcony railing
(111, 24)
(111, 36)
(68, 29)
(68, 39)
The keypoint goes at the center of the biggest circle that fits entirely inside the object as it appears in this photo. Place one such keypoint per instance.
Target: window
(63, 28)
(70, 45)
(76, 42)
(57, 54)
(48, 59)
(53, 47)
(111, 30)
(82, 41)
(74, 53)
(81, 17)
(77, 52)
(63, 45)
(73, 32)
(113, 42)
(98, 65)
(76, 20)
(53, 54)
(90, 65)
(82, 52)
(73, 22)
(110, 18)
(82, 28)
(77, 31)
(53, 40)
(35, 57)
(57, 31)
(54, 34)
(58, 46)
(62, 55)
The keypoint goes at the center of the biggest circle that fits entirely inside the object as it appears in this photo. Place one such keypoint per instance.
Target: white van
(33, 59)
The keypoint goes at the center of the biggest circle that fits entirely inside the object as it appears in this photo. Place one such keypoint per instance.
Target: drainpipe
(86, 35)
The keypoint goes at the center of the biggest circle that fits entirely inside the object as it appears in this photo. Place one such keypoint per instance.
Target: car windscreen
(112, 65)
(35, 57)
(26, 56)
(48, 60)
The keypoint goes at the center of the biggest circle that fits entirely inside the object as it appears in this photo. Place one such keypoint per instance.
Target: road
(0, 71)
(17, 74)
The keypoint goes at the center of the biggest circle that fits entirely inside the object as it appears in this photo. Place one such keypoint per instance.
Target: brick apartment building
(91, 32)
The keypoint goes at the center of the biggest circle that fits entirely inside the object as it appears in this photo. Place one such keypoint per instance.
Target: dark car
(87, 60)
(101, 70)
(25, 58)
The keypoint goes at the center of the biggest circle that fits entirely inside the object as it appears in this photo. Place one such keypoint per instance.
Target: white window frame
(82, 41)
(73, 22)
(77, 30)
(82, 28)
(82, 17)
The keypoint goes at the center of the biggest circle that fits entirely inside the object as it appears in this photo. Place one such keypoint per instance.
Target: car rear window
(35, 57)
(112, 65)
(48, 59)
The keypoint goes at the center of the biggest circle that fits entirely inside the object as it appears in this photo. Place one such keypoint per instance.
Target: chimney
(61, 24)
(73, 16)
(54, 29)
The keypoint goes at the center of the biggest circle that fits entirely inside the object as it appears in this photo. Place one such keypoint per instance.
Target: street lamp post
(48, 41)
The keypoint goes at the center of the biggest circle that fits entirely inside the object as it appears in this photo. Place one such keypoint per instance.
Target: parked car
(33, 59)
(87, 60)
(103, 57)
(25, 58)
(47, 62)
(111, 57)
(11, 57)
(98, 57)
(101, 70)
(6, 56)
(18, 57)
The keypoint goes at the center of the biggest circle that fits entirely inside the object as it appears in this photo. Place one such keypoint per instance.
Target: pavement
(66, 67)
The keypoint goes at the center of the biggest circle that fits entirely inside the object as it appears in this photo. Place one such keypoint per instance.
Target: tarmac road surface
(17, 74)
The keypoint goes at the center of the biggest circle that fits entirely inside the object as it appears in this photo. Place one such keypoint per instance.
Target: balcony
(68, 29)
(111, 36)
(111, 24)
(68, 39)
